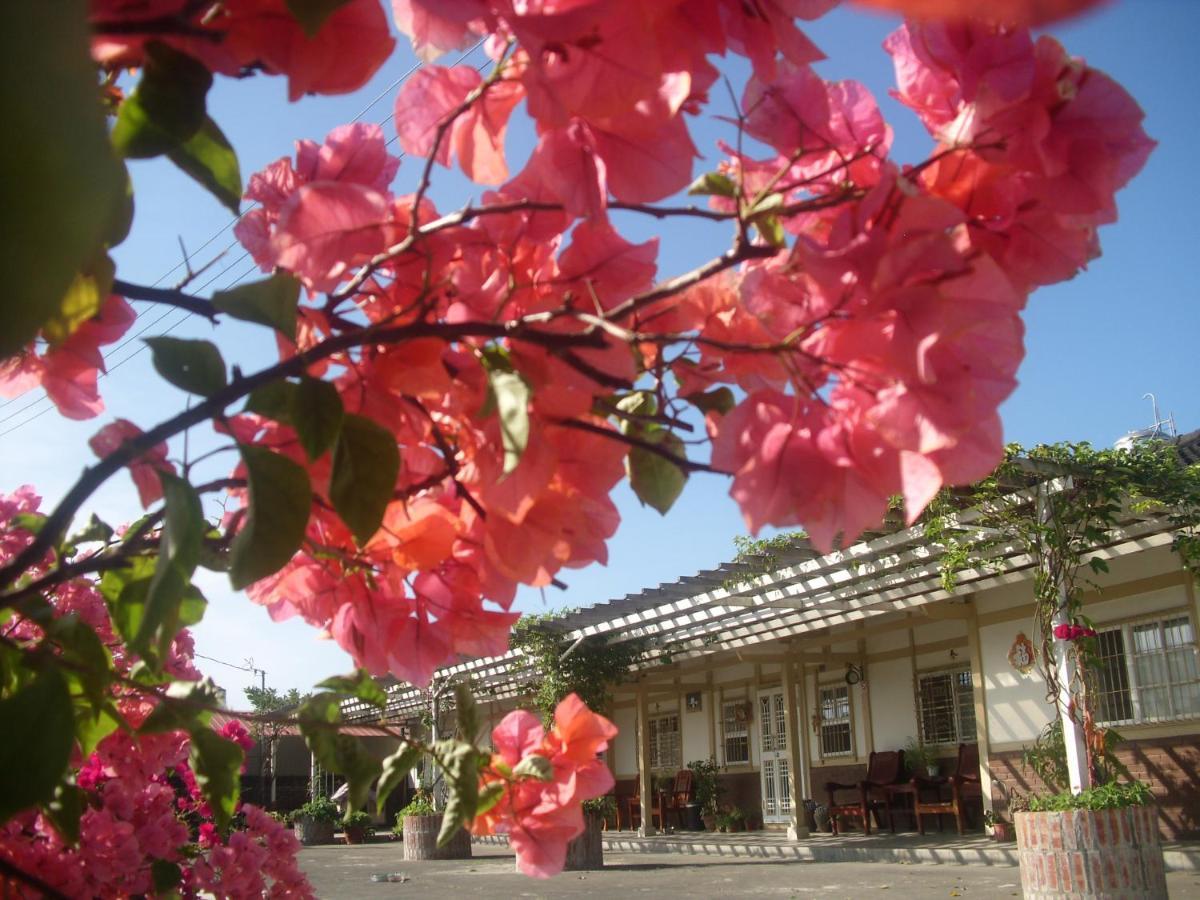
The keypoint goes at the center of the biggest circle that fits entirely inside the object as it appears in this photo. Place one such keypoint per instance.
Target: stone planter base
(420, 840)
(311, 832)
(586, 852)
(1110, 853)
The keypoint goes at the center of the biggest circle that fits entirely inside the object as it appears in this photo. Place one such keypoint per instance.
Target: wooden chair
(884, 768)
(928, 792)
(672, 802)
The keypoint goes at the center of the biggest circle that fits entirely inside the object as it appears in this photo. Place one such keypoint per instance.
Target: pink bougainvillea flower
(69, 371)
(542, 817)
(144, 470)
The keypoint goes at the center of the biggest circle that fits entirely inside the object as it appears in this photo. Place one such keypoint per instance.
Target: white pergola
(735, 607)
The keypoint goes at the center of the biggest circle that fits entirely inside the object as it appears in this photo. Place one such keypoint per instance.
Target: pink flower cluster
(141, 795)
(540, 816)
(1069, 631)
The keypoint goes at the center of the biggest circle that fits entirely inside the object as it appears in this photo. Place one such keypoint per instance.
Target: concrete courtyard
(339, 872)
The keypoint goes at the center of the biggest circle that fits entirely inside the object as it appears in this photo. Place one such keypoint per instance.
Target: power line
(47, 405)
(232, 222)
(250, 667)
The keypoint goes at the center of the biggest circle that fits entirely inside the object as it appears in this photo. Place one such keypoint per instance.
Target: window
(736, 732)
(1147, 672)
(836, 737)
(947, 706)
(664, 742)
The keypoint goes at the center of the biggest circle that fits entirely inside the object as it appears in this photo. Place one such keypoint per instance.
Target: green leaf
(771, 230)
(512, 405)
(217, 764)
(186, 706)
(311, 14)
(95, 530)
(280, 502)
(124, 591)
(38, 725)
(94, 724)
(166, 108)
(466, 711)
(271, 302)
(62, 182)
(319, 717)
(460, 766)
(192, 366)
(178, 555)
(29, 521)
(208, 157)
(638, 403)
(275, 400)
(489, 797)
(536, 767)
(82, 301)
(713, 184)
(165, 875)
(317, 416)
(395, 769)
(719, 400)
(82, 647)
(65, 809)
(360, 685)
(657, 481)
(366, 463)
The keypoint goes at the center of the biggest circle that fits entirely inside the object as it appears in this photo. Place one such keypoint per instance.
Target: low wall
(1171, 766)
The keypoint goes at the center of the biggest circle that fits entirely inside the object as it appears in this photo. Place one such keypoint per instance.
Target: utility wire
(45, 400)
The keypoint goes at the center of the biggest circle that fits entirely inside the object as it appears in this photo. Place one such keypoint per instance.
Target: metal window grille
(664, 742)
(835, 721)
(737, 734)
(1148, 671)
(947, 706)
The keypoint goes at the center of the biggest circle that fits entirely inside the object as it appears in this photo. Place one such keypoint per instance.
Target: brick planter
(1111, 853)
(420, 839)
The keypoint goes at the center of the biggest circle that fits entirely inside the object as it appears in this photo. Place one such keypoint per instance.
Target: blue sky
(1095, 345)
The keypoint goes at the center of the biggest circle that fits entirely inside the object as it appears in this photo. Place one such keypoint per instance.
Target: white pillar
(798, 828)
(1064, 664)
(645, 782)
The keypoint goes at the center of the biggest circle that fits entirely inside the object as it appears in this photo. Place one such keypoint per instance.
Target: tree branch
(167, 297)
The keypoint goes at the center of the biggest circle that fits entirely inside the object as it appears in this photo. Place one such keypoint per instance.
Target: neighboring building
(832, 656)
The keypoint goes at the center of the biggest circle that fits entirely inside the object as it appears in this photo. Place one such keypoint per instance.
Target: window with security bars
(736, 732)
(947, 706)
(836, 736)
(664, 742)
(1147, 672)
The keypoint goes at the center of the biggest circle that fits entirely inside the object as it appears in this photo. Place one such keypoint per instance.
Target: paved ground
(344, 873)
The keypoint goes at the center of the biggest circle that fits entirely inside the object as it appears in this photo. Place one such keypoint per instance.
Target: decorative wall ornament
(695, 701)
(1022, 656)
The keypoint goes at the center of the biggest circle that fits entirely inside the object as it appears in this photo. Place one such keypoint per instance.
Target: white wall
(624, 746)
(892, 715)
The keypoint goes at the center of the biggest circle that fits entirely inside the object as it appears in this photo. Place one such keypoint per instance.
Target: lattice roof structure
(806, 593)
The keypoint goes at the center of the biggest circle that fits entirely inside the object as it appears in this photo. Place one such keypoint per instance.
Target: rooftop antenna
(1157, 428)
(1161, 429)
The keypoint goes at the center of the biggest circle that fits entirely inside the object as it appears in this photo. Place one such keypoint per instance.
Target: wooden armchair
(928, 792)
(884, 768)
(673, 801)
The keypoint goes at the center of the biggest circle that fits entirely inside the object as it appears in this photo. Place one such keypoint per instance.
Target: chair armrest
(838, 786)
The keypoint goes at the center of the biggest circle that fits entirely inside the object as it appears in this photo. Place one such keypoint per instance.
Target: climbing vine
(1058, 503)
(589, 668)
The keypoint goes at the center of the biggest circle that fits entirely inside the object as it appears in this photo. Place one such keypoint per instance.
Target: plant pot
(1002, 831)
(420, 839)
(586, 852)
(933, 770)
(310, 831)
(1091, 853)
(710, 822)
(355, 834)
(691, 817)
(737, 827)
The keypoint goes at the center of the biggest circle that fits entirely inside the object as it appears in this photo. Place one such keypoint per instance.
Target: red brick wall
(1171, 766)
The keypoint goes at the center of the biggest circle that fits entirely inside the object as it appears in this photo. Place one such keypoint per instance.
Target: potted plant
(1000, 828)
(821, 818)
(586, 852)
(707, 790)
(722, 821)
(358, 827)
(419, 824)
(920, 758)
(737, 819)
(313, 822)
